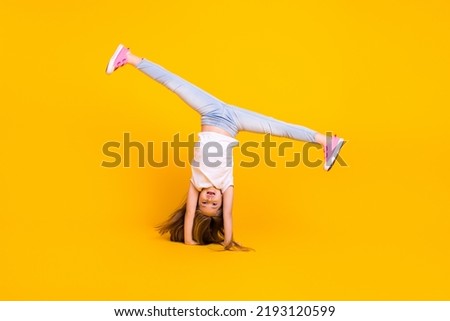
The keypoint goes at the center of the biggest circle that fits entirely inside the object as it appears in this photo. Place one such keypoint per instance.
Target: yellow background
(375, 72)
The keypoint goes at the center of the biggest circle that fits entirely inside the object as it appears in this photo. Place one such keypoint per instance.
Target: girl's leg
(254, 122)
(251, 121)
(198, 99)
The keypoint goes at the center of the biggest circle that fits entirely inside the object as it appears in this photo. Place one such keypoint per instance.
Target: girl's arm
(227, 216)
(191, 206)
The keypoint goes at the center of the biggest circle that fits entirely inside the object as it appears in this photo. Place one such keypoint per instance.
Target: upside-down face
(210, 201)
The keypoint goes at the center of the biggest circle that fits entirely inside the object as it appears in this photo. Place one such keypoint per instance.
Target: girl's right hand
(228, 246)
(192, 242)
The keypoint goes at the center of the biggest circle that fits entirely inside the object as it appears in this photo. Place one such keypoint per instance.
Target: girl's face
(209, 201)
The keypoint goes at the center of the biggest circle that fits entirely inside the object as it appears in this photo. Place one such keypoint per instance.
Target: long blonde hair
(206, 229)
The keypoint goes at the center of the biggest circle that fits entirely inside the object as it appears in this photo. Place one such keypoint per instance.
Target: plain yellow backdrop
(375, 72)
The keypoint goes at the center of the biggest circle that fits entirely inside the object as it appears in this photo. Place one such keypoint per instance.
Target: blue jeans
(214, 112)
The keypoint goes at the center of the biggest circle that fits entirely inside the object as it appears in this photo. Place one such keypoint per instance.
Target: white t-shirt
(213, 161)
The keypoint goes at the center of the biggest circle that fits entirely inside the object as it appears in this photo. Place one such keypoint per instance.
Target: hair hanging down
(206, 229)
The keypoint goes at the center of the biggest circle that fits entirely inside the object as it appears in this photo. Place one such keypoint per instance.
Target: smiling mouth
(210, 193)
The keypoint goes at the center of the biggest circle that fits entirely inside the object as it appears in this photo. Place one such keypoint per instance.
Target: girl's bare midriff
(209, 128)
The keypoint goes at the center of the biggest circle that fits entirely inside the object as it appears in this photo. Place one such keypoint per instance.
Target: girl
(206, 217)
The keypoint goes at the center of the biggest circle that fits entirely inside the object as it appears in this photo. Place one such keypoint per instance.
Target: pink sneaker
(332, 149)
(118, 59)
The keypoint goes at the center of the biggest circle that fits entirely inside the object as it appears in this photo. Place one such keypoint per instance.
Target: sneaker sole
(336, 151)
(110, 66)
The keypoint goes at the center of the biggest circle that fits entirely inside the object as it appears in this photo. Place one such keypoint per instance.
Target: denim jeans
(214, 112)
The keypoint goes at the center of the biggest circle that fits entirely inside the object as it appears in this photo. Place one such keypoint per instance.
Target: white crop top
(213, 161)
